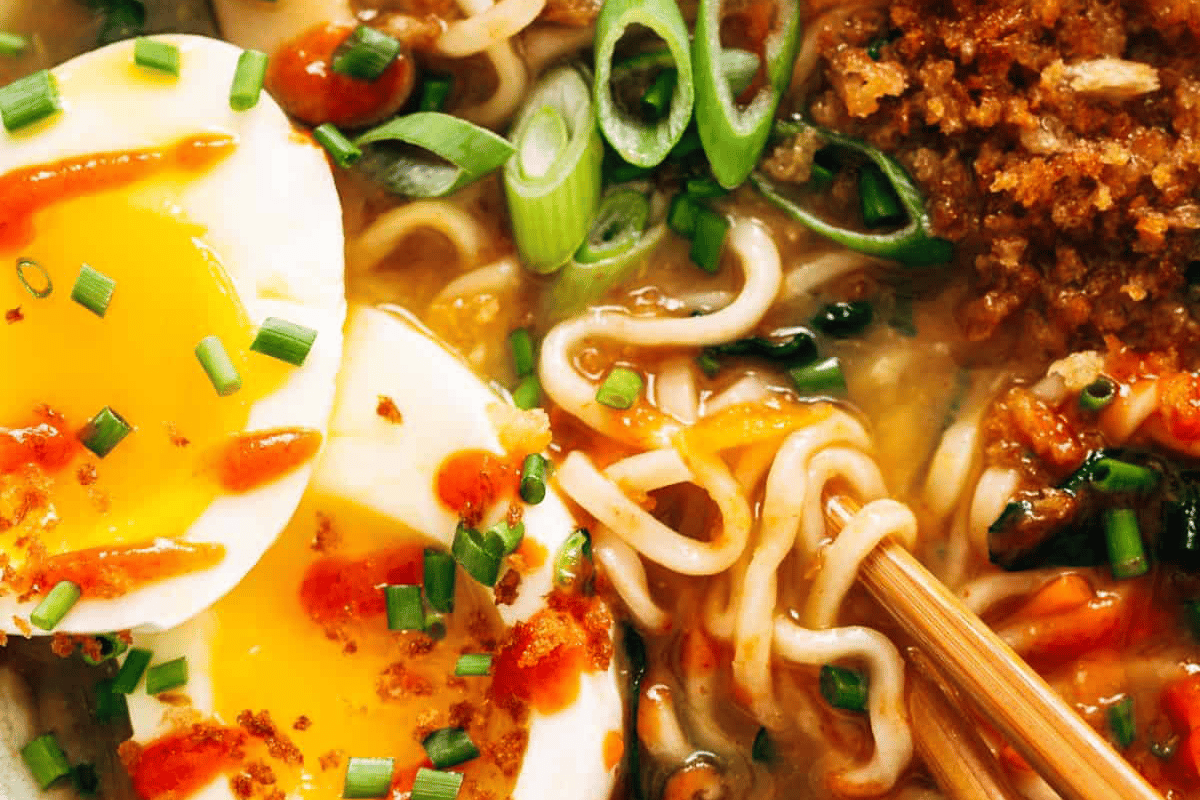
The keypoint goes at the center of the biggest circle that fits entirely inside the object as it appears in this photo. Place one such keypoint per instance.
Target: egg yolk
(304, 637)
(63, 363)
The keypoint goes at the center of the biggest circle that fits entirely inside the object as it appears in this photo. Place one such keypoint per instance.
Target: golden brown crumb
(13, 315)
(461, 714)
(330, 760)
(419, 644)
(176, 438)
(521, 432)
(508, 750)
(428, 721)
(3, 639)
(514, 514)
(178, 699)
(23, 626)
(326, 538)
(130, 753)
(302, 723)
(388, 410)
(397, 682)
(506, 588)
(86, 474)
(62, 645)
(242, 785)
(278, 744)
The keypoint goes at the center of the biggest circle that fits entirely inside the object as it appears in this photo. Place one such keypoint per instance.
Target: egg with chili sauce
(144, 220)
(303, 642)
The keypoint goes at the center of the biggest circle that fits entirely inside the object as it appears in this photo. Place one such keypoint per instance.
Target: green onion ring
(617, 227)
(578, 284)
(27, 263)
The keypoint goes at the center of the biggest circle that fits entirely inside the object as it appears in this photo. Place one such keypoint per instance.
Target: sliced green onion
(104, 432)
(123, 19)
(553, 186)
(286, 341)
(913, 244)
(93, 290)
(1191, 613)
(435, 92)
(788, 347)
(520, 344)
(12, 44)
(343, 151)
(156, 55)
(819, 378)
(29, 100)
(44, 285)
(438, 569)
(528, 393)
(167, 676)
(449, 747)
(430, 154)
(218, 366)
(533, 479)
(709, 364)
(366, 54)
(739, 68)
(577, 284)
(508, 536)
(1165, 749)
(1125, 550)
(435, 626)
(404, 609)
(480, 556)
(733, 136)
(704, 188)
(636, 662)
(1121, 722)
(55, 605)
(681, 217)
(619, 223)
(902, 319)
(368, 777)
(1096, 396)
(879, 204)
(111, 646)
(573, 561)
(473, 665)
(657, 99)
(1111, 475)
(433, 785)
(46, 760)
(642, 143)
(763, 749)
(110, 704)
(85, 780)
(845, 319)
(131, 670)
(843, 688)
(248, 80)
(708, 240)
(620, 388)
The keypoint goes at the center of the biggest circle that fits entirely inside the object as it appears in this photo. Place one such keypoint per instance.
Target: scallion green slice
(439, 576)
(55, 605)
(553, 185)
(248, 80)
(131, 670)
(343, 151)
(823, 377)
(844, 688)
(435, 91)
(41, 286)
(763, 749)
(435, 626)
(681, 216)
(287, 341)
(86, 780)
(29, 100)
(12, 44)
(657, 99)
(431, 784)
(879, 204)
(619, 223)
(156, 55)
(533, 479)
(46, 760)
(1121, 722)
(473, 665)
(1096, 396)
(520, 344)
(620, 388)
(449, 747)
(110, 704)
(641, 142)
(1111, 475)
(456, 153)
(104, 432)
(573, 562)
(93, 290)
(708, 239)
(579, 284)
(709, 364)
(218, 366)
(528, 393)
(405, 611)
(167, 676)
(480, 556)
(508, 536)
(368, 777)
(366, 54)
(1126, 553)
(111, 646)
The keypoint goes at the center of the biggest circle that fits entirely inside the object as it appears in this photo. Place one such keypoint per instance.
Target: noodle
(628, 577)
(487, 27)
(391, 228)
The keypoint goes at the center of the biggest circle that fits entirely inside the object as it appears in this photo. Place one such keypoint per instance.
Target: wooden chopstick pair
(1067, 752)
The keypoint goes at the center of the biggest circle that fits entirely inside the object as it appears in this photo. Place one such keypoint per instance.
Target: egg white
(390, 468)
(274, 220)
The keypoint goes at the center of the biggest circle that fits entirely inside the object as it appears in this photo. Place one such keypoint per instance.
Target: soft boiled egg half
(294, 679)
(144, 225)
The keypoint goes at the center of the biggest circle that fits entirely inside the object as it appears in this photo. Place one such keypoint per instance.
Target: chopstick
(959, 760)
(1067, 752)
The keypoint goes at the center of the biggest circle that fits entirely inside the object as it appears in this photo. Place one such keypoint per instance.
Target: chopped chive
(86, 780)
(845, 319)
(287, 341)
(508, 536)
(708, 241)
(573, 561)
(620, 389)
(366, 54)
(167, 676)
(431, 784)
(657, 98)
(104, 432)
(218, 366)
(763, 749)
(404, 609)
(343, 151)
(435, 91)
(435, 626)
(843, 688)
(473, 665)
(110, 704)
(28, 100)
(449, 747)
(368, 777)
(12, 44)
(528, 393)
(1121, 722)
(439, 579)
(55, 605)
(156, 55)
(681, 216)
(93, 290)
(46, 760)
(704, 188)
(248, 80)
(1191, 613)
(131, 671)
(480, 556)
(44, 285)
(709, 364)
(521, 345)
(880, 205)
(533, 479)
(821, 377)
(1126, 553)
(111, 646)
(1112, 475)
(1096, 396)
